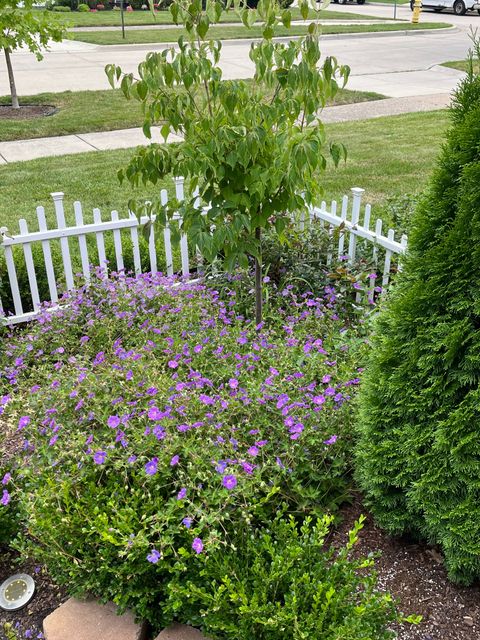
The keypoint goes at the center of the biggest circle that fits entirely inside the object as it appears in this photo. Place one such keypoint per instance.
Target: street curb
(236, 41)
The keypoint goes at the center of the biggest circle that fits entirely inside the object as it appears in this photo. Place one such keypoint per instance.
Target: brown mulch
(415, 576)
(26, 112)
(47, 598)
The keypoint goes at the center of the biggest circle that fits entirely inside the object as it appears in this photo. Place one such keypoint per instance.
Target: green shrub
(83, 8)
(154, 415)
(308, 260)
(284, 582)
(419, 452)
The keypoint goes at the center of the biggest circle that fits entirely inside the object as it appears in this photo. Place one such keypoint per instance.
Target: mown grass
(151, 36)
(110, 111)
(139, 18)
(462, 65)
(386, 156)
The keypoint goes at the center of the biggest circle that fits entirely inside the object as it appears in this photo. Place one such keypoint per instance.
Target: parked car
(459, 7)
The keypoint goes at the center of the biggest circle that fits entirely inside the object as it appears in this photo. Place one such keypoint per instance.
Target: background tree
(252, 150)
(25, 27)
(418, 458)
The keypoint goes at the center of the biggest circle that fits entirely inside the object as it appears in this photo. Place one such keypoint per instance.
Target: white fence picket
(137, 262)
(349, 229)
(356, 203)
(152, 250)
(47, 256)
(32, 276)
(180, 195)
(167, 237)
(388, 260)
(117, 243)
(82, 242)
(12, 278)
(102, 257)
(343, 217)
(64, 246)
(333, 211)
(378, 233)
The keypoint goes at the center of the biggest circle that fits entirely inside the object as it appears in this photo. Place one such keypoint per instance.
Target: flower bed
(161, 428)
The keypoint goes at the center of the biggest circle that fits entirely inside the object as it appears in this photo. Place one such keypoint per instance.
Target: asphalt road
(397, 65)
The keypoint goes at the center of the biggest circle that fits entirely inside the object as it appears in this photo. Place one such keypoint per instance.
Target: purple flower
(233, 383)
(99, 457)
(331, 440)
(5, 498)
(23, 422)
(113, 422)
(197, 545)
(151, 467)
(173, 364)
(318, 399)
(154, 413)
(253, 451)
(154, 556)
(229, 482)
(187, 522)
(6, 478)
(175, 460)
(182, 494)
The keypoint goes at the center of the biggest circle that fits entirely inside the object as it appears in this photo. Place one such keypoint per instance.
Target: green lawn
(150, 36)
(136, 18)
(387, 157)
(461, 65)
(111, 111)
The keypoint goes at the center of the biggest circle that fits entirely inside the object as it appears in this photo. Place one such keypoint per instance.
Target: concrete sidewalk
(21, 150)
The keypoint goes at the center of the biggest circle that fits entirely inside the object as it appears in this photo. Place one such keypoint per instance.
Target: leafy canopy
(251, 150)
(26, 27)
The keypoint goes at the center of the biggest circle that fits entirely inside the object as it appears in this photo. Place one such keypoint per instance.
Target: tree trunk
(11, 79)
(258, 277)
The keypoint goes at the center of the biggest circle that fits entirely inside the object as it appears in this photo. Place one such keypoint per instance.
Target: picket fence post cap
(357, 190)
(58, 195)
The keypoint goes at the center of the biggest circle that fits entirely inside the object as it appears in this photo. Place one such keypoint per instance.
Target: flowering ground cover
(160, 428)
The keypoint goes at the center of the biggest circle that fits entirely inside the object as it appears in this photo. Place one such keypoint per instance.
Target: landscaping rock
(90, 620)
(180, 632)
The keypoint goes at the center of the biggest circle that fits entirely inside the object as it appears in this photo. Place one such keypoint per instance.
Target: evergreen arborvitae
(418, 459)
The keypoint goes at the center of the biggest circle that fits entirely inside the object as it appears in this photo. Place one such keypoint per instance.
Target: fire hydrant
(417, 8)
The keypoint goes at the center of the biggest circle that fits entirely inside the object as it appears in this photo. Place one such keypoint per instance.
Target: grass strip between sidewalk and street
(461, 65)
(88, 111)
(386, 157)
(154, 36)
(138, 18)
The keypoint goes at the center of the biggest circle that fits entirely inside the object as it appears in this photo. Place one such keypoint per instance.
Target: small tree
(253, 151)
(25, 27)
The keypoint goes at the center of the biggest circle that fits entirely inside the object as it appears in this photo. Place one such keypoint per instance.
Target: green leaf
(287, 18)
(304, 10)
(203, 26)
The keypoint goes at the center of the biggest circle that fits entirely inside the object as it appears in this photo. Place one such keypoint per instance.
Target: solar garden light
(16, 592)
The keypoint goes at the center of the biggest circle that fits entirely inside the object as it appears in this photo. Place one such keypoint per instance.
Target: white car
(459, 7)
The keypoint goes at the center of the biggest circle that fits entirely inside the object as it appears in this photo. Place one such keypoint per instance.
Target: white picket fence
(350, 231)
